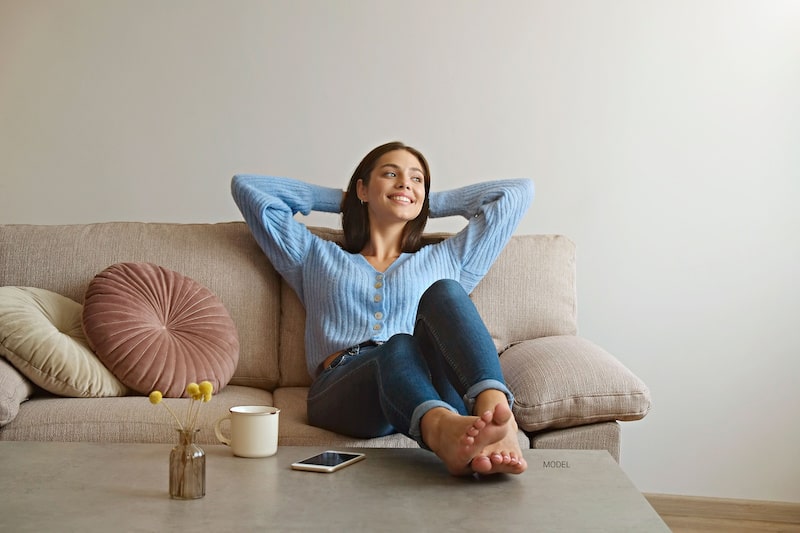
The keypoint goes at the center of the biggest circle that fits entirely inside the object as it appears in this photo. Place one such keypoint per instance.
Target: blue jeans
(447, 362)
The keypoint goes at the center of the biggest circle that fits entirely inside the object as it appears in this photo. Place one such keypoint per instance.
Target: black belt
(353, 350)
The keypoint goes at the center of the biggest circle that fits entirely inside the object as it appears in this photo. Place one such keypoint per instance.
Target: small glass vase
(187, 468)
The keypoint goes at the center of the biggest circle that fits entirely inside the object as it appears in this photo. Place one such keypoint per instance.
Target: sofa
(570, 393)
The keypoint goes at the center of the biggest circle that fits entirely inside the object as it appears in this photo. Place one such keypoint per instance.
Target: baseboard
(725, 508)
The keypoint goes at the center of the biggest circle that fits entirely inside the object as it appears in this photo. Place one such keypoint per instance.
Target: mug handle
(222, 438)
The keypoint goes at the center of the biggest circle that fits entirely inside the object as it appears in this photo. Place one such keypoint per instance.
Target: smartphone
(329, 461)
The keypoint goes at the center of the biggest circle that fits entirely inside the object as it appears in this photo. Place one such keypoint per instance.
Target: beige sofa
(569, 392)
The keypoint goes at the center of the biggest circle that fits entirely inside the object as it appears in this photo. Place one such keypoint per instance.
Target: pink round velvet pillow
(156, 329)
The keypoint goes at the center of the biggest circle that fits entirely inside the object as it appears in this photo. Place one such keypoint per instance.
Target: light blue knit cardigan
(347, 301)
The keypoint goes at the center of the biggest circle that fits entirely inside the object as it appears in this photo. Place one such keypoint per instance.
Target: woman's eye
(390, 175)
(417, 179)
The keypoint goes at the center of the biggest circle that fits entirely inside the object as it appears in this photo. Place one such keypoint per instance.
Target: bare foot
(503, 455)
(457, 439)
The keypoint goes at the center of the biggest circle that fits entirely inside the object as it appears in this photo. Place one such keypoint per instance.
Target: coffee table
(46, 486)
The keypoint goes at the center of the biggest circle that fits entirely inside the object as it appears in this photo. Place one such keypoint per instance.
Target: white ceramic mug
(254, 430)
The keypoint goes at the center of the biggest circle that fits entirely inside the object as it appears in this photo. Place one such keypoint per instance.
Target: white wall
(664, 138)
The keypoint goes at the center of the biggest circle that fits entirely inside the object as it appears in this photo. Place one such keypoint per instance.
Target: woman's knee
(400, 344)
(441, 292)
(402, 350)
(444, 288)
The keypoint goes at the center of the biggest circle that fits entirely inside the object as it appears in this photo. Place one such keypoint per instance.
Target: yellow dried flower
(198, 393)
(206, 389)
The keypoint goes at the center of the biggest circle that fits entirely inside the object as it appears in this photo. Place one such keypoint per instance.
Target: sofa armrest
(565, 381)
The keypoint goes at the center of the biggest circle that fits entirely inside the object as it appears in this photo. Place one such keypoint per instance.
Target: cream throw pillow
(564, 381)
(14, 389)
(41, 335)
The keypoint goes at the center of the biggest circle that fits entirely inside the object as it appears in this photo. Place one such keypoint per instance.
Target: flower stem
(180, 426)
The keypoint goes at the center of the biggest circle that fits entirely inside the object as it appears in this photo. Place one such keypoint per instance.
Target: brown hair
(355, 217)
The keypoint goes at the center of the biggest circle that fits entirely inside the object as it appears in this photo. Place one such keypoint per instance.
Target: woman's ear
(361, 191)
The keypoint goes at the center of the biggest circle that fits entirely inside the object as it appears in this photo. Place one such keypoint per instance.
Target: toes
(484, 465)
(500, 462)
(481, 464)
(500, 458)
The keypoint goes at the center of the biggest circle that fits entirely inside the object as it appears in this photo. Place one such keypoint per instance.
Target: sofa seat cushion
(600, 436)
(125, 419)
(14, 389)
(565, 381)
(40, 334)
(295, 431)
(156, 329)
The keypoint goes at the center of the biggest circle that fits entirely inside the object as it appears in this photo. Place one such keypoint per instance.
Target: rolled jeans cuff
(479, 387)
(414, 430)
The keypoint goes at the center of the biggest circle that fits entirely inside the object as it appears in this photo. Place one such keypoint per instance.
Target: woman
(392, 339)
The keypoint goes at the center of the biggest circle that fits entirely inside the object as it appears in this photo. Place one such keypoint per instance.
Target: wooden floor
(690, 514)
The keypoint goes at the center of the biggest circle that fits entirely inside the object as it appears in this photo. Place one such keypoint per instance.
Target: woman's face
(396, 188)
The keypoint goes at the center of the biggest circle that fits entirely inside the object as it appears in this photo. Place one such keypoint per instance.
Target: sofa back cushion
(529, 292)
(223, 257)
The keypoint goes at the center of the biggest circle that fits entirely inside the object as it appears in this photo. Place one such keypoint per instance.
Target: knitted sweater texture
(347, 301)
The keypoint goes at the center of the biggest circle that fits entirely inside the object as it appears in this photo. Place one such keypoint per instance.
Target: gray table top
(88, 487)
